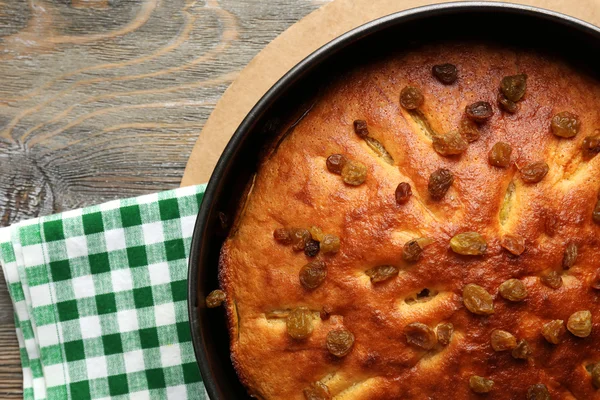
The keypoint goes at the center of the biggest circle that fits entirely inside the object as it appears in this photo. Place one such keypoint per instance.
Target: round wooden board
(296, 43)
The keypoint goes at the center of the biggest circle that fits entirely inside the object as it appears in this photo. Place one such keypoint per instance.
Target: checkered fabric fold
(100, 299)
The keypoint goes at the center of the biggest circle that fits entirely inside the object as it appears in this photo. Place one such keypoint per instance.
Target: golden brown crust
(294, 189)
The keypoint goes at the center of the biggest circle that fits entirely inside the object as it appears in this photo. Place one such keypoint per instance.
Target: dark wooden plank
(11, 378)
(10, 365)
(104, 99)
(6, 311)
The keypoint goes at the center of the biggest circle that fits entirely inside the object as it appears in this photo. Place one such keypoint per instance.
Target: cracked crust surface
(293, 188)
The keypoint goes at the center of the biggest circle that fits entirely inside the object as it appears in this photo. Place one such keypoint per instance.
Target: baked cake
(429, 230)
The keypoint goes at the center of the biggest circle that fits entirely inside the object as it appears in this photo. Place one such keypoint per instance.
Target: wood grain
(104, 99)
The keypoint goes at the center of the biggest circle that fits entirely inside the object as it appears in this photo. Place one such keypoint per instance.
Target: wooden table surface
(104, 99)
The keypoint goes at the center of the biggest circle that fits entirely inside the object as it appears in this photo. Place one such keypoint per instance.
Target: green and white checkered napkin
(100, 299)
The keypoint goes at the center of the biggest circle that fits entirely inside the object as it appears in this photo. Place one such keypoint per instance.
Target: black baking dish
(515, 25)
